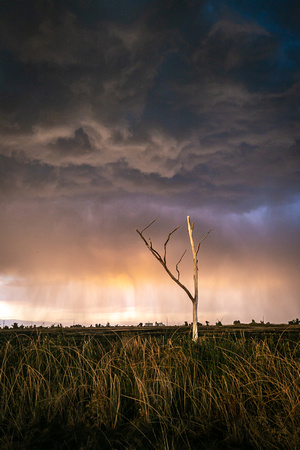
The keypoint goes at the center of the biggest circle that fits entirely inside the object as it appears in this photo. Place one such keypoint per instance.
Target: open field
(132, 388)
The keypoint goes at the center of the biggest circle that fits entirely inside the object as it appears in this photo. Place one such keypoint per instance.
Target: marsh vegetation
(229, 390)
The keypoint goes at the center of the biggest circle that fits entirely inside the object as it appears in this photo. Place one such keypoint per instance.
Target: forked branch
(190, 230)
(163, 261)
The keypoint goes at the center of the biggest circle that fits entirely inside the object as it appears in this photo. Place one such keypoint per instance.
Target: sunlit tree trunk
(195, 320)
(163, 262)
(196, 294)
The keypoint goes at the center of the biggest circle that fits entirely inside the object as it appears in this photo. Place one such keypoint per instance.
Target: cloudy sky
(115, 112)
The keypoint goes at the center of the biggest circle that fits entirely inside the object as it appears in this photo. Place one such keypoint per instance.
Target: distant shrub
(294, 322)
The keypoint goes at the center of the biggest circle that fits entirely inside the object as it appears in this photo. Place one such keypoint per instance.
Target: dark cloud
(113, 113)
(78, 144)
(23, 177)
(19, 174)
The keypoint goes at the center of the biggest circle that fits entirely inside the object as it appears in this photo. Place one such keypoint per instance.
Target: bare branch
(179, 263)
(156, 254)
(162, 261)
(190, 230)
(148, 225)
(178, 282)
(198, 247)
(165, 244)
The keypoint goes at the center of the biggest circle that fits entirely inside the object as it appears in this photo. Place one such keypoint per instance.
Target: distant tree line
(16, 326)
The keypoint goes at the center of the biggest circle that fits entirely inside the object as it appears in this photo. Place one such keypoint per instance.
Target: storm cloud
(113, 113)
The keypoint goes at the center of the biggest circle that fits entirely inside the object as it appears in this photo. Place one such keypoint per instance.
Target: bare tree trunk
(163, 262)
(195, 320)
(195, 300)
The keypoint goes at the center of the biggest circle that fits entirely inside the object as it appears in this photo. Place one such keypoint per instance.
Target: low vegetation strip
(135, 391)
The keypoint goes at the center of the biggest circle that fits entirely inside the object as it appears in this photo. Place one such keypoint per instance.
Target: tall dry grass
(225, 392)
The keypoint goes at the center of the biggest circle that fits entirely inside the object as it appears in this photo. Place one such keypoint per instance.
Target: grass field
(235, 389)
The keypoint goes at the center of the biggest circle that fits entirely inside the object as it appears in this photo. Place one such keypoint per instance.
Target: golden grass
(143, 392)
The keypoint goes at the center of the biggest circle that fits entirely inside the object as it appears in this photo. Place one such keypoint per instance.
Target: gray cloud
(113, 113)
(78, 144)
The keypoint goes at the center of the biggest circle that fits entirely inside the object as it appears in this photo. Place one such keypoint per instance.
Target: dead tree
(163, 262)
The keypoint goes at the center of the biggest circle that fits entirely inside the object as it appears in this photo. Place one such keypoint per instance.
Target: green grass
(227, 391)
